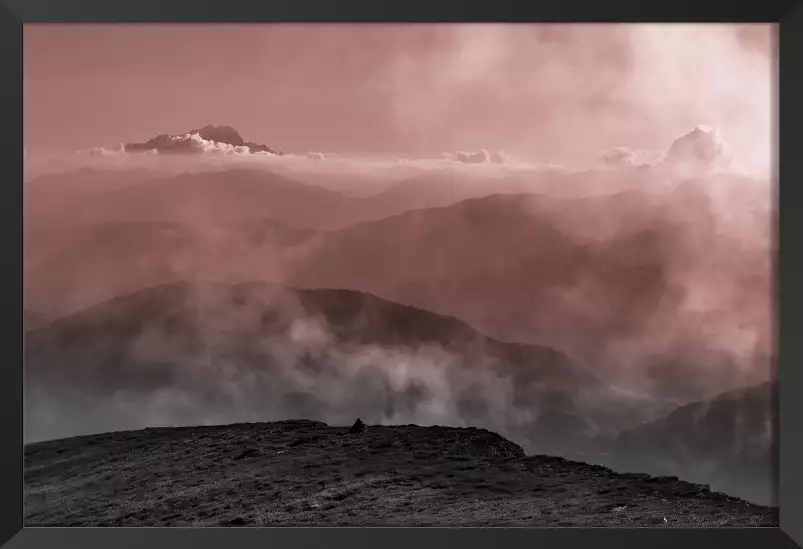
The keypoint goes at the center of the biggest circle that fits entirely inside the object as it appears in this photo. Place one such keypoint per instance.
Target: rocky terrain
(305, 473)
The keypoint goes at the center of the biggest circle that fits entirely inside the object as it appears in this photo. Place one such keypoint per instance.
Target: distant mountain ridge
(728, 441)
(515, 266)
(183, 143)
(113, 259)
(736, 425)
(227, 194)
(197, 339)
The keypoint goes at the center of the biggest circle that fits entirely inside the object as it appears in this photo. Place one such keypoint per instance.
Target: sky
(542, 92)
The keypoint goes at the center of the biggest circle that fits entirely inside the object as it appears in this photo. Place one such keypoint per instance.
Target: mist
(605, 192)
(210, 353)
(661, 283)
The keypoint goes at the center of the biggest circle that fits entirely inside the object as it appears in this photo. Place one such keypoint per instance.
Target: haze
(602, 194)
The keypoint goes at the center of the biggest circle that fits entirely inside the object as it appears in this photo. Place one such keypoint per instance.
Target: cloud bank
(699, 151)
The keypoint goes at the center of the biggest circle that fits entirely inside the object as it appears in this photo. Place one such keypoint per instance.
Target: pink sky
(538, 91)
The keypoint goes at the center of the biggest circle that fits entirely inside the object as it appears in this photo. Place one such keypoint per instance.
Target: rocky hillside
(304, 473)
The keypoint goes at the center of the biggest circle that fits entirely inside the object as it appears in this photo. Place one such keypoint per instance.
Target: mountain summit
(210, 137)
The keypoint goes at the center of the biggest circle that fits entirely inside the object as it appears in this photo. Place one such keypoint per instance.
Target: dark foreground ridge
(300, 472)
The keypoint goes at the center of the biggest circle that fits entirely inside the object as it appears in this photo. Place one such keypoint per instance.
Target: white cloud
(194, 143)
(701, 150)
(481, 156)
(625, 157)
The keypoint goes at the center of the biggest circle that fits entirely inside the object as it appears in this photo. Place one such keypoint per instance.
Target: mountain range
(568, 272)
(271, 341)
(441, 298)
(728, 441)
(249, 351)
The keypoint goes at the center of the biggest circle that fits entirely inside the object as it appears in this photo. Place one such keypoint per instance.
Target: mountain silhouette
(728, 441)
(571, 273)
(202, 339)
(182, 143)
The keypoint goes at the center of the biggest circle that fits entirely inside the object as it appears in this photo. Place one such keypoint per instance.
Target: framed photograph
(330, 274)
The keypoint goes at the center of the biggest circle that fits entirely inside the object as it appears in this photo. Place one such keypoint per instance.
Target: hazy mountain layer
(728, 441)
(194, 353)
(104, 261)
(644, 284)
(611, 279)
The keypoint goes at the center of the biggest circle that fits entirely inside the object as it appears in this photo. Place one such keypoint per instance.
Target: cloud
(300, 367)
(569, 91)
(103, 151)
(194, 143)
(701, 150)
(619, 157)
(481, 156)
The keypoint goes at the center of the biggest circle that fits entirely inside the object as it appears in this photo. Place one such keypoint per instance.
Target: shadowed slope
(589, 275)
(727, 441)
(192, 353)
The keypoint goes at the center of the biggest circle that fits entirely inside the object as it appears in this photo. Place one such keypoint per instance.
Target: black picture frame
(14, 14)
